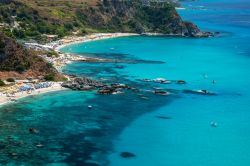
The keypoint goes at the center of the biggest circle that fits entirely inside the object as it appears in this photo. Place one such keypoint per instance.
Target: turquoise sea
(172, 130)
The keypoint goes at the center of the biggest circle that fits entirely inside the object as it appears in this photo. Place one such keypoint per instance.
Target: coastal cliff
(29, 19)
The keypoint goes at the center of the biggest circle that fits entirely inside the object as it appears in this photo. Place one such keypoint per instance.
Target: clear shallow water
(73, 135)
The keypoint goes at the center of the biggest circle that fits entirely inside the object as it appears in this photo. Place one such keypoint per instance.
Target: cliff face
(15, 61)
(134, 16)
(31, 19)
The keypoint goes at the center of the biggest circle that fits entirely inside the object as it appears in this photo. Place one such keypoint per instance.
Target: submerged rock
(163, 117)
(199, 92)
(127, 155)
(181, 82)
(91, 163)
(161, 92)
(33, 131)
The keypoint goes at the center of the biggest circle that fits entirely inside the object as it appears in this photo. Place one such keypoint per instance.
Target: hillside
(32, 19)
(17, 62)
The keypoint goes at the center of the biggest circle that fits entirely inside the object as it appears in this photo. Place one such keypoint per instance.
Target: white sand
(92, 37)
(5, 100)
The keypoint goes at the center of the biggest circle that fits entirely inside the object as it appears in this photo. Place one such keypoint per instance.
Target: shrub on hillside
(2, 83)
(52, 53)
(49, 77)
(10, 80)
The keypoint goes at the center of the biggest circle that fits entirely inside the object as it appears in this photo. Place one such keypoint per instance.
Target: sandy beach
(65, 59)
(5, 99)
(57, 45)
(58, 63)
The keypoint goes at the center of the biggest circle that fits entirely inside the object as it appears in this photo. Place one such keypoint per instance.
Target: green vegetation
(19, 60)
(52, 54)
(2, 83)
(49, 77)
(32, 18)
(28, 23)
(20, 68)
(10, 79)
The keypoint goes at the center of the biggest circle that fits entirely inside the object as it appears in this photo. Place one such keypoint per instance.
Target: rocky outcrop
(82, 84)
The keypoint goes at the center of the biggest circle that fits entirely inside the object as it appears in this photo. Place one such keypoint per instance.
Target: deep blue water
(74, 135)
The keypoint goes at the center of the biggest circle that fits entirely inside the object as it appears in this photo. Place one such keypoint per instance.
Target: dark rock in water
(163, 117)
(181, 82)
(91, 163)
(106, 90)
(2, 145)
(161, 92)
(191, 30)
(88, 84)
(127, 155)
(122, 86)
(33, 131)
(82, 84)
(113, 89)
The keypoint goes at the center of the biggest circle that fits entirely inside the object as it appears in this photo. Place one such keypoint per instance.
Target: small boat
(90, 107)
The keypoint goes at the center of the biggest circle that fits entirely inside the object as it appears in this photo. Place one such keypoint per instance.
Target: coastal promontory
(45, 20)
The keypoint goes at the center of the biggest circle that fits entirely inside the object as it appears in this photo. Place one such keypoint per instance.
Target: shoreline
(5, 99)
(71, 40)
(66, 59)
